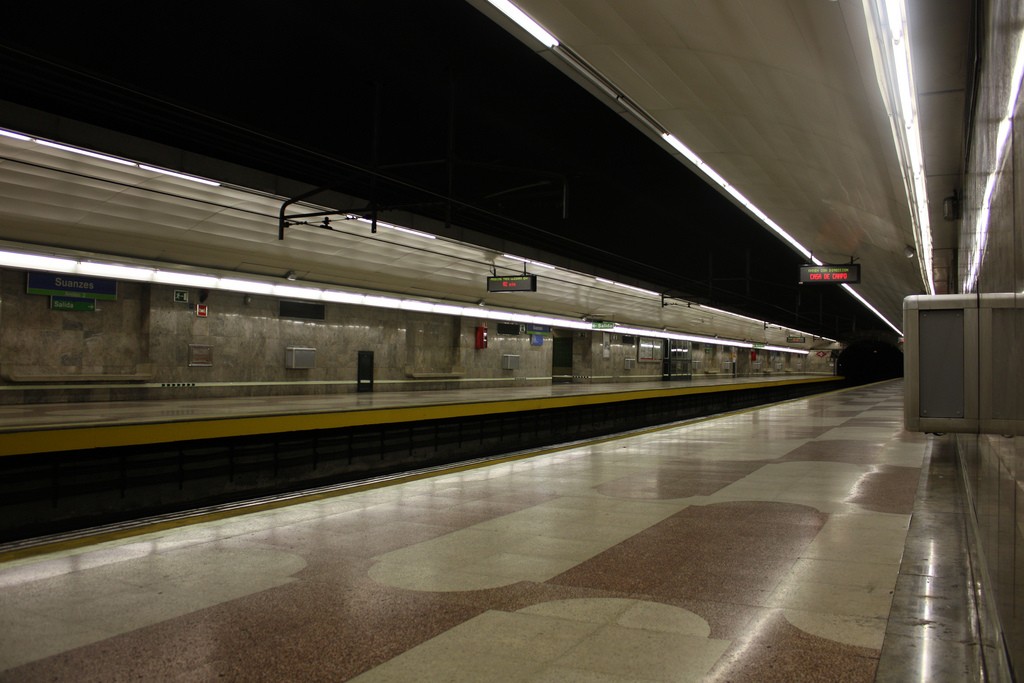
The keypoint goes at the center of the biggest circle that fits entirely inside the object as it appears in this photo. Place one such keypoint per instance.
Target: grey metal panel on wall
(1001, 397)
(941, 352)
(941, 363)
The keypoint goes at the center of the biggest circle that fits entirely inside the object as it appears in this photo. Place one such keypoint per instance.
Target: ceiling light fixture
(392, 226)
(140, 273)
(606, 281)
(105, 157)
(695, 160)
(183, 176)
(871, 308)
(16, 136)
(891, 41)
(1003, 131)
(530, 261)
(525, 22)
(85, 152)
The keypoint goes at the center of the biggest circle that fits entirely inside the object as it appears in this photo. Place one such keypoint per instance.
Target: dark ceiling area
(428, 106)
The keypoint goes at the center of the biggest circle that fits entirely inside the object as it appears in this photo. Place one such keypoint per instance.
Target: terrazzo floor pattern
(761, 546)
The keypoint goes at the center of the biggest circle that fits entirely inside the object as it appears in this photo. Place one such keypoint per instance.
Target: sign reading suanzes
(512, 283)
(847, 273)
(60, 284)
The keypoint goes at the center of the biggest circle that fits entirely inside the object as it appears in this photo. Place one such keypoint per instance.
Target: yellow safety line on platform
(49, 438)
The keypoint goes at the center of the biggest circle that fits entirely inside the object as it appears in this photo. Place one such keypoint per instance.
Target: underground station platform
(68, 468)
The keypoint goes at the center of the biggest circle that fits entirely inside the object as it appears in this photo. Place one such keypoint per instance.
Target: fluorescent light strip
(734, 315)
(539, 264)
(118, 272)
(715, 177)
(899, 81)
(981, 226)
(246, 286)
(399, 228)
(783, 349)
(35, 262)
(417, 233)
(183, 176)
(171, 277)
(296, 292)
(85, 152)
(414, 305)
(625, 286)
(638, 289)
(525, 22)
(871, 308)
(105, 157)
(16, 136)
(712, 309)
(662, 334)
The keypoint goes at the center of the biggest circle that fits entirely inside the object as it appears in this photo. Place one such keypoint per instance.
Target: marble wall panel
(147, 335)
(990, 257)
(608, 356)
(534, 361)
(146, 330)
(36, 341)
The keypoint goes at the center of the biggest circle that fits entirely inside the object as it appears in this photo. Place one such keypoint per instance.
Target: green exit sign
(69, 303)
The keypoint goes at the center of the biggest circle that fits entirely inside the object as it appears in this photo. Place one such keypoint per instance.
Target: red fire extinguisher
(481, 337)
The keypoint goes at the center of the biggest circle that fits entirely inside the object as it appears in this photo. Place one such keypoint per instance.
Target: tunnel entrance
(870, 361)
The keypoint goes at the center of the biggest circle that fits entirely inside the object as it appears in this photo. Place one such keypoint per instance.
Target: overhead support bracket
(681, 302)
(286, 220)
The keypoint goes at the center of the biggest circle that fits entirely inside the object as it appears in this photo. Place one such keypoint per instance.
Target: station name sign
(512, 283)
(848, 273)
(77, 286)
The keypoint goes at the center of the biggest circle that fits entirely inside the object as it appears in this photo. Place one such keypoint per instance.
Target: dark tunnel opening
(870, 361)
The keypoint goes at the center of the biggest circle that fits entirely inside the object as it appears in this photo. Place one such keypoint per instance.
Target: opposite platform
(48, 427)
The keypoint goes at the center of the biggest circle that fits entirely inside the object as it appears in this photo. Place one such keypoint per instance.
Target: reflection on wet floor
(783, 543)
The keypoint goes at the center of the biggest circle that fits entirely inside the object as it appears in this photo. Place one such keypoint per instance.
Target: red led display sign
(848, 273)
(512, 283)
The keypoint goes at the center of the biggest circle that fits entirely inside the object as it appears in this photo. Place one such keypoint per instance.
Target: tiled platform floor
(762, 546)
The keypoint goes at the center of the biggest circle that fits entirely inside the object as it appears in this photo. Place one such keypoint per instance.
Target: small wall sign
(68, 303)
(200, 355)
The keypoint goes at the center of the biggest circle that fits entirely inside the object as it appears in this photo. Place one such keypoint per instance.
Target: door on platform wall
(561, 356)
(364, 371)
(676, 363)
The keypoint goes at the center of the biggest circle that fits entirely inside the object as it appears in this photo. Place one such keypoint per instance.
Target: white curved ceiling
(58, 202)
(780, 97)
